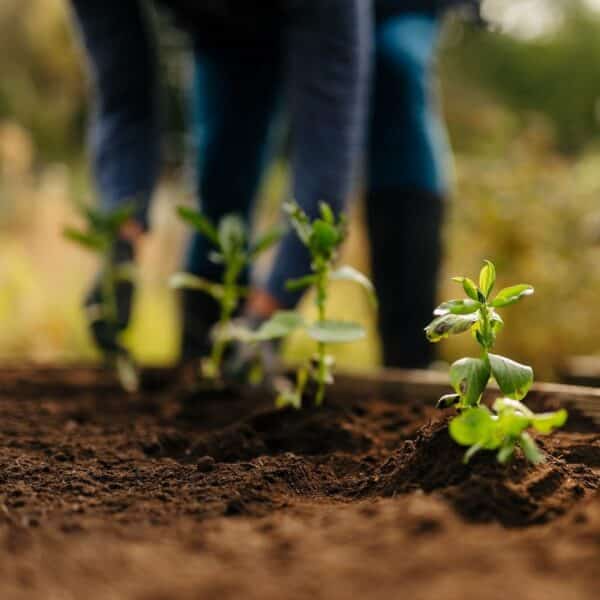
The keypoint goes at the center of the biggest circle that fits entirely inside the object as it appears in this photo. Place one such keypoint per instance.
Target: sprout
(234, 253)
(323, 236)
(505, 426)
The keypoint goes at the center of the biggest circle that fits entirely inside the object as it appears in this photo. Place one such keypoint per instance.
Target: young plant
(234, 253)
(323, 236)
(505, 426)
(100, 236)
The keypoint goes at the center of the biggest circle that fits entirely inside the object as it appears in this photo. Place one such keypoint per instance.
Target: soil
(171, 495)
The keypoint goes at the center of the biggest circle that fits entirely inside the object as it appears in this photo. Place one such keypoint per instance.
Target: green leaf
(199, 222)
(511, 424)
(546, 422)
(232, 234)
(468, 377)
(448, 400)
(299, 284)
(127, 372)
(506, 452)
(324, 237)
(268, 239)
(469, 287)
(299, 220)
(116, 218)
(90, 241)
(487, 278)
(281, 324)
(348, 273)
(513, 378)
(502, 405)
(472, 426)
(457, 307)
(327, 213)
(450, 324)
(510, 295)
(193, 282)
(285, 399)
(532, 453)
(95, 218)
(471, 452)
(496, 321)
(335, 331)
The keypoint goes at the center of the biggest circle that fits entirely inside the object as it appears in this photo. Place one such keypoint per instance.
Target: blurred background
(522, 101)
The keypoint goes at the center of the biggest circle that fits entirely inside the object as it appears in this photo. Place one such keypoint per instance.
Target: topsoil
(173, 495)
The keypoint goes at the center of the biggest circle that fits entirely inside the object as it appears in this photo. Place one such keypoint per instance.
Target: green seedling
(234, 253)
(505, 426)
(99, 236)
(323, 237)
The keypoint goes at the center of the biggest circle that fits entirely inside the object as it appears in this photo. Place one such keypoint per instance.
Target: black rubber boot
(104, 333)
(199, 314)
(404, 227)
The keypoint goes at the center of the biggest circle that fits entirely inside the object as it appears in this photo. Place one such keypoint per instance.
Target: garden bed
(168, 495)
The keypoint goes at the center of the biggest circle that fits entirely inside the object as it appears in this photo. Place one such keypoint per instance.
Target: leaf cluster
(233, 251)
(322, 237)
(101, 228)
(99, 236)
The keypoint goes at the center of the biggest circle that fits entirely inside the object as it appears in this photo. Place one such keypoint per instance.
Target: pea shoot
(323, 237)
(506, 425)
(234, 253)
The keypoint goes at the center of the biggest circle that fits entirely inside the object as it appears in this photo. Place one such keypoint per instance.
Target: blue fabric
(233, 101)
(124, 137)
(407, 141)
(325, 49)
(325, 59)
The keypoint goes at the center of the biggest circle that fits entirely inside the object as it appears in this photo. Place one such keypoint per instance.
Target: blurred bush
(554, 75)
(42, 85)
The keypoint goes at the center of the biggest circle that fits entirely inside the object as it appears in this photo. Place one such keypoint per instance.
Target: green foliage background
(524, 120)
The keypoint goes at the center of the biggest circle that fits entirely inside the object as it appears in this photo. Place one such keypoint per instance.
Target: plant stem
(229, 303)
(486, 332)
(109, 296)
(321, 284)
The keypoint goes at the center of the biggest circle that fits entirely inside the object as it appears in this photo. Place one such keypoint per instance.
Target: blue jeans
(236, 95)
(408, 147)
(406, 181)
(322, 66)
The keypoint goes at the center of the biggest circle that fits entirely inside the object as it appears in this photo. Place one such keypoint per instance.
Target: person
(407, 175)
(246, 53)
(407, 172)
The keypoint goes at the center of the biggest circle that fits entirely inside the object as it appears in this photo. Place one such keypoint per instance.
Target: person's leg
(124, 135)
(407, 181)
(328, 48)
(234, 100)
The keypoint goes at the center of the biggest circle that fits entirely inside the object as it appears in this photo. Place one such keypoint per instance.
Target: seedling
(505, 426)
(323, 236)
(234, 253)
(99, 236)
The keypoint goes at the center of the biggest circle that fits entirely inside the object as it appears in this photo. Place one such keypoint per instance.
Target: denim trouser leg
(234, 99)
(407, 181)
(328, 60)
(125, 128)
(407, 143)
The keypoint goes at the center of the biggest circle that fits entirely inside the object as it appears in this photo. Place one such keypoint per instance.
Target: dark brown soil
(167, 495)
